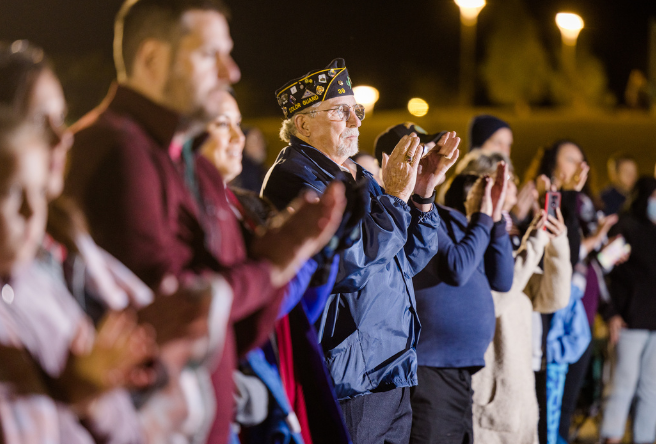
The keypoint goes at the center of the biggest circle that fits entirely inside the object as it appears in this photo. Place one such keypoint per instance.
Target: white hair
(288, 127)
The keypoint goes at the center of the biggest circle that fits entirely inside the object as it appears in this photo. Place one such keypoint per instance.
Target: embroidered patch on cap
(297, 95)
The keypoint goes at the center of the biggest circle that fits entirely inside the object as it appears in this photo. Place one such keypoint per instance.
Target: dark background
(400, 47)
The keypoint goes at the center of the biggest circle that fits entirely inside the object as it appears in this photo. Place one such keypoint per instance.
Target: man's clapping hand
(400, 168)
(434, 165)
(302, 234)
(499, 190)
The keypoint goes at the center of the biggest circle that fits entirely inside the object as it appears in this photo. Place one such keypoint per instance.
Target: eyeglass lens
(344, 112)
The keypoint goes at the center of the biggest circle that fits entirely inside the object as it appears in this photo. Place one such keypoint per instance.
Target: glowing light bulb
(469, 10)
(570, 26)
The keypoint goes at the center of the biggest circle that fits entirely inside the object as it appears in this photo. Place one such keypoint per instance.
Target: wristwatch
(424, 200)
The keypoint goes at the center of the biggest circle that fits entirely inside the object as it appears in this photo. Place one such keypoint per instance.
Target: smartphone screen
(552, 203)
(612, 252)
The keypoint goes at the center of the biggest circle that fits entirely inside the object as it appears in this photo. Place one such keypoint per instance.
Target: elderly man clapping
(369, 328)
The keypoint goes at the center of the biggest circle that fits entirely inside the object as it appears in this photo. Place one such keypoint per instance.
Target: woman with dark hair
(563, 166)
(632, 321)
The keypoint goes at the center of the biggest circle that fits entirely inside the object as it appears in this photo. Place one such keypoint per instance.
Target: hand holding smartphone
(612, 253)
(551, 204)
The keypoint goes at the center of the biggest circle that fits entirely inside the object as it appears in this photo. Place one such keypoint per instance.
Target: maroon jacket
(140, 210)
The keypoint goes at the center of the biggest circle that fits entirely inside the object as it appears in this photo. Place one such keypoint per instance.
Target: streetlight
(469, 10)
(570, 26)
(367, 96)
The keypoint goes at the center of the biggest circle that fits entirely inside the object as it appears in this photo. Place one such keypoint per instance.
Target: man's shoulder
(292, 164)
(290, 174)
(107, 127)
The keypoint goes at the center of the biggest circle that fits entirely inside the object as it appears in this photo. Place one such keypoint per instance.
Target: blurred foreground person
(103, 287)
(632, 323)
(623, 174)
(369, 328)
(161, 209)
(55, 368)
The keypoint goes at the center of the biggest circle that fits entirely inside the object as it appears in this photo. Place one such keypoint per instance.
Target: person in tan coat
(505, 404)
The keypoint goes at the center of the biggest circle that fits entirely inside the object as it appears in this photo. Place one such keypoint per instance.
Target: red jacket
(140, 210)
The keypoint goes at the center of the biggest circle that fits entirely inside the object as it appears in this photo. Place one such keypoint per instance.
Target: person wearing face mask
(632, 321)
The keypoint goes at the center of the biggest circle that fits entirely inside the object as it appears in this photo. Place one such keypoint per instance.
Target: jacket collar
(324, 162)
(320, 159)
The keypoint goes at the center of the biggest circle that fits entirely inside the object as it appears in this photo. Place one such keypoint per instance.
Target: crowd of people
(158, 285)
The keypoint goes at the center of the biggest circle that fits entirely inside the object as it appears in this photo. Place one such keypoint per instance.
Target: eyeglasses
(342, 112)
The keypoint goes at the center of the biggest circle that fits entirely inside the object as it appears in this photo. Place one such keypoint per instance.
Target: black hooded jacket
(633, 283)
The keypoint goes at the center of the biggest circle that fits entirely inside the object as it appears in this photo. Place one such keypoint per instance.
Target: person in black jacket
(632, 323)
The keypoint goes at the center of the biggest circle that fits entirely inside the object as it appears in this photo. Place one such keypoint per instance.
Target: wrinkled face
(500, 142)
(627, 174)
(202, 66)
(225, 145)
(337, 139)
(568, 160)
(23, 203)
(47, 107)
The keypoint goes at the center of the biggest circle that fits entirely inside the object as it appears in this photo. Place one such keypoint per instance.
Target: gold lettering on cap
(310, 100)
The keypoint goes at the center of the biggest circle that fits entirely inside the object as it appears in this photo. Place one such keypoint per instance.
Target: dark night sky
(382, 42)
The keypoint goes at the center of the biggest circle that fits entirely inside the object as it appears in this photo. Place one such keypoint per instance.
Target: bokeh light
(367, 96)
(418, 107)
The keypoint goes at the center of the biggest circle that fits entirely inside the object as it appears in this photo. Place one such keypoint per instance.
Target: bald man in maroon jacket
(156, 205)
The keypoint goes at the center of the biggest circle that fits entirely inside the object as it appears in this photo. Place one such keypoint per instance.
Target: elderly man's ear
(302, 125)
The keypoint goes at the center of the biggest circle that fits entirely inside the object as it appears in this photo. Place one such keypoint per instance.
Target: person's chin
(353, 148)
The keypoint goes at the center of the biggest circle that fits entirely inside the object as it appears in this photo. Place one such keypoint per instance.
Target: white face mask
(651, 209)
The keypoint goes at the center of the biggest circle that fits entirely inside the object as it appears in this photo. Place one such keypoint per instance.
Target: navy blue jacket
(369, 328)
(453, 292)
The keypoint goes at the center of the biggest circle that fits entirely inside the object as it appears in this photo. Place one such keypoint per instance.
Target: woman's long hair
(544, 162)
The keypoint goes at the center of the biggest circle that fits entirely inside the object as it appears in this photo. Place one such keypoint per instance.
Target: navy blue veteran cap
(385, 142)
(314, 87)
